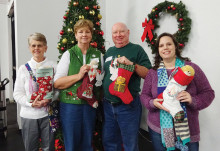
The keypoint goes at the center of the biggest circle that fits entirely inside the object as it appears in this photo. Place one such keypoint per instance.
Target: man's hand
(124, 60)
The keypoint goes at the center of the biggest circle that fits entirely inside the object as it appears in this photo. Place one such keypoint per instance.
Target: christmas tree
(81, 9)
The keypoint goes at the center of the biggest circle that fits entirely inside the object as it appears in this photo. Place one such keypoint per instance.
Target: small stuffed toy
(178, 83)
(99, 78)
(85, 91)
(113, 68)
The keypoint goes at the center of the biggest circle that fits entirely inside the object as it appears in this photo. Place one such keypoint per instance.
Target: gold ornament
(172, 6)
(75, 3)
(176, 15)
(64, 41)
(81, 17)
(59, 44)
(72, 42)
(92, 12)
(98, 7)
(71, 22)
(183, 28)
(70, 30)
(58, 47)
(99, 16)
(153, 10)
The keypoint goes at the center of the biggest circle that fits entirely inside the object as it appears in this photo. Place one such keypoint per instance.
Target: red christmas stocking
(44, 77)
(119, 87)
(45, 86)
(85, 91)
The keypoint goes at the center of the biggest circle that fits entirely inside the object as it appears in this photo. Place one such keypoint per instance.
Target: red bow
(70, 93)
(148, 27)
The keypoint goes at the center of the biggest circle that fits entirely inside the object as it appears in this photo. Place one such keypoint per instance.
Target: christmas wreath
(176, 9)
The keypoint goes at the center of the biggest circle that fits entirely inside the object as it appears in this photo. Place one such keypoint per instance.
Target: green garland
(184, 22)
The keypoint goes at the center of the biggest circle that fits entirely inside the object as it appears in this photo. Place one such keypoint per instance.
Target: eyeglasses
(38, 46)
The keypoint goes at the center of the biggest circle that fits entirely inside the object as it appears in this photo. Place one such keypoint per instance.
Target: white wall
(202, 48)
(38, 16)
(5, 51)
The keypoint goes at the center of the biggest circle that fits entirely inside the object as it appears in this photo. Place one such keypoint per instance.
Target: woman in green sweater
(76, 115)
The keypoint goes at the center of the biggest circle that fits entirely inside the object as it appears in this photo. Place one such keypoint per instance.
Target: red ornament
(181, 45)
(96, 133)
(169, 7)
(156, 16)
(103, 47)
(65, 17)
(61, 32)
(87, 8)
(180, 29)
(95, 7)
(58, 145)
(101, 33)
(97, 23)
(182, 24)
(62, 48)
(152, 43)
(180, 19)
(156, 8)
(174, 8)
(93, 44)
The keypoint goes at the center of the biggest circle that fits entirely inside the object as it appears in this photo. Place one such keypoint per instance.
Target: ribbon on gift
(148, 27)
(120, 82)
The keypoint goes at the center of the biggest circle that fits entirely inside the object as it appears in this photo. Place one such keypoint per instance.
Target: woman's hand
(159, 105)
(45, 102)
(40, 103)
(124, 60)
(37, 102)
(85, 68)
(184, 96)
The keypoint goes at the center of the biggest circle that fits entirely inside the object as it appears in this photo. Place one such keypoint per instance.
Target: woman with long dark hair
(197, 96)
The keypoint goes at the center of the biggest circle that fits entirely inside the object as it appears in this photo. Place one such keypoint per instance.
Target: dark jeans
(158, 146)
(121, 125)
(78, 123)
